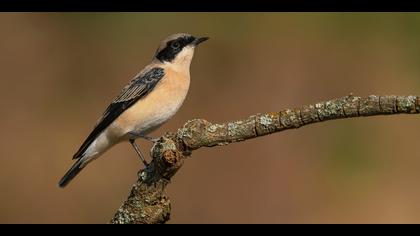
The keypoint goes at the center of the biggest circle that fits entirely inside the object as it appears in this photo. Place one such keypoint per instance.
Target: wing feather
(138, 88)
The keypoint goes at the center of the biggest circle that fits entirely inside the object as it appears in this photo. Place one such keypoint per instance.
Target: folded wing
(138, 88)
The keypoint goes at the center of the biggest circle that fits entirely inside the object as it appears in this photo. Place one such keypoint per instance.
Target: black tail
(74, 170)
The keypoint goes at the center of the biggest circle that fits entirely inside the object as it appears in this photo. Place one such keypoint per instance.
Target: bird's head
(178, 49)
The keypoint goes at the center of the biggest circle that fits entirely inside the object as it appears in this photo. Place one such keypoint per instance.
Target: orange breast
(154, 109)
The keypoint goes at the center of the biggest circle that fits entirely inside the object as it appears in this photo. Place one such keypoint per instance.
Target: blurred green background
(59, 71)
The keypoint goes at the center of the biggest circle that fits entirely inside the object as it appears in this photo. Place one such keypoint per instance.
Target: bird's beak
(197, 41)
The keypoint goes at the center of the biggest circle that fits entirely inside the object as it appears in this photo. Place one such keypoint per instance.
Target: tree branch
(147, 202)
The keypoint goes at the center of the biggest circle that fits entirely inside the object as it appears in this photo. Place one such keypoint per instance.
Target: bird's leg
(136, 147)
(140, 135)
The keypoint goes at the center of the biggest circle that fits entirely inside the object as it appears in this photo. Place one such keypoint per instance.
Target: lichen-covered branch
(147, 202)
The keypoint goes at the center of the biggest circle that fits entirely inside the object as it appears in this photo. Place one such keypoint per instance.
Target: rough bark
(147, 203)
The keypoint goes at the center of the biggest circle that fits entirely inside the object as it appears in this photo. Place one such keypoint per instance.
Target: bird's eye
(175, 45)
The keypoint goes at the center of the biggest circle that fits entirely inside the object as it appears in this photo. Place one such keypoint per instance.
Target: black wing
(138, 88)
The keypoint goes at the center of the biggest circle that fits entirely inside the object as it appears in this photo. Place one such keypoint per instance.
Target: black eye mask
(173, 47)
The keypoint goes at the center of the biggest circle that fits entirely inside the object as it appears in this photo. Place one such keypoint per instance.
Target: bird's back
(138, 88)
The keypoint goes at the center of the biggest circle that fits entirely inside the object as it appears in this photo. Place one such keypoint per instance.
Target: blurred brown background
(59, 71)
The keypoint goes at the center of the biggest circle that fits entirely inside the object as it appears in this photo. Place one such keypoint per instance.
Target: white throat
(182, 61)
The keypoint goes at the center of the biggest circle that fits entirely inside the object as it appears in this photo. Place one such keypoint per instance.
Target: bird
(150, 99)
